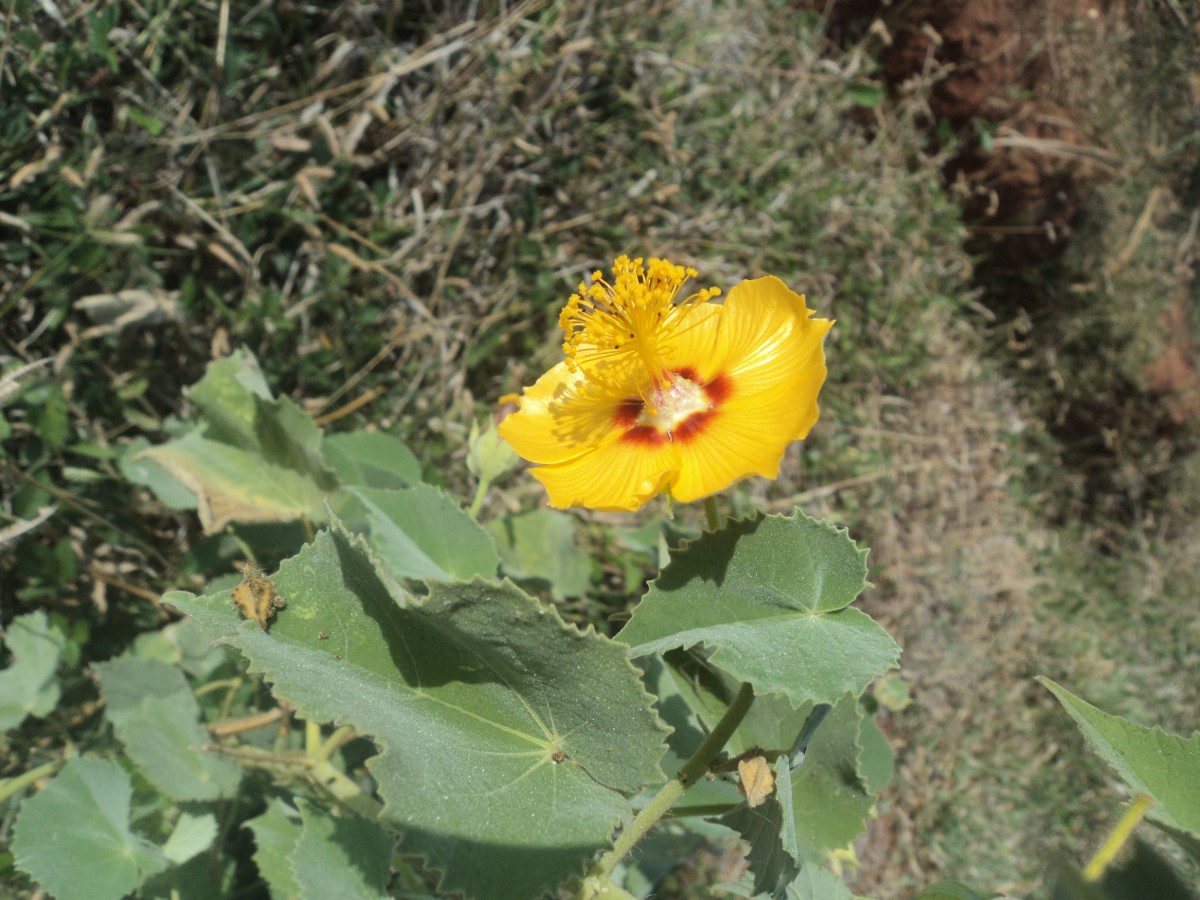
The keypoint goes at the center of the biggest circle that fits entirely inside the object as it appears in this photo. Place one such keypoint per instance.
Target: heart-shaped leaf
(73, 836)
(250, 458)
(508, 739)
(420, 532)
(29, 686)
(156, 716)
(768, 596)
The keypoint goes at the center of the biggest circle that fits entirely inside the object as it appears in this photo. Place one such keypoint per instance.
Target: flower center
(671, 403)
(674, 410)
(633, 317)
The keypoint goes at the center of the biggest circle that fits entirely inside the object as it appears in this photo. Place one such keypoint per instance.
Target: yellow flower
(658, 394)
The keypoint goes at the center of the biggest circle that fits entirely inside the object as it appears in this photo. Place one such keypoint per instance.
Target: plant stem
(702, 811)
(218, 685)
(10, 786)
(691, 770)
(800, 745)
(345, 791)
(1117, 838)
(710, 510)
(312, 739)
(325, 752)
(477, 503)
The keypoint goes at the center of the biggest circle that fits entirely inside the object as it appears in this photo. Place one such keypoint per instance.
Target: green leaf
(228, 396)
(181, 644)
(769, 829)
(812, 883)
(675, 706)
(206, 876)
(29, 686)
(508, 740)
(155, 715)
(815, 883)
(768, 595)
(831, 789)
(192, 834)
(831, 799)
(866, 94)
(49, 415)
(143, 470)
(73, 837)
(151, 125)
(275, 835)
(949, 890)
(371, 459)
(1149, 760)
(420, 532)
(540, 545)
(342, 856)
(250, 459)
(878, 761)
(235, 485)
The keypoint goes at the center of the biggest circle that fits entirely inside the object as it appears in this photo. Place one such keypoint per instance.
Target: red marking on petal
(692, 426)
(719, 389)
(689, 429)
(627, 412)
(645, 435)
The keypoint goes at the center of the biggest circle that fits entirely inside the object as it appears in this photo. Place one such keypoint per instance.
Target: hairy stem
(597, 884)
(18, 783)
(1116, 840)
(477, 503)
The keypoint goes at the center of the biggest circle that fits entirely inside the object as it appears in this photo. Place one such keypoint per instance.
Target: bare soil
(1011, 84)
(998, 86)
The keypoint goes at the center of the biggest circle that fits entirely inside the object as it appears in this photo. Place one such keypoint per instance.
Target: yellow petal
(745, 437)
(767, 329)
(693, 342)
(565, 414)
(615, 475)
(770, 352)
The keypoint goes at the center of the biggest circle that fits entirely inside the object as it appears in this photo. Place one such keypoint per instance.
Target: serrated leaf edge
(1054, 687)
(687, 544)
(410, 601)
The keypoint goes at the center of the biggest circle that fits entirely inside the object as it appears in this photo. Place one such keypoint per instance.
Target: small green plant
(505, 746)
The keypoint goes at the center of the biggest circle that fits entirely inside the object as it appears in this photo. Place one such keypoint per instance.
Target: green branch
(596, 883)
